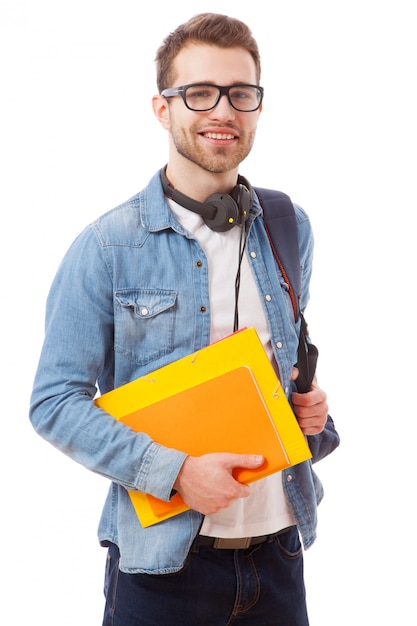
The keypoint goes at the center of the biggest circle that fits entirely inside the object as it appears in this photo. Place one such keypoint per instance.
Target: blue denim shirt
(130, 296)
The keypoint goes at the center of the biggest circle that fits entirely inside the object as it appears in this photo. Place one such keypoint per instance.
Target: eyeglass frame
(223, 91)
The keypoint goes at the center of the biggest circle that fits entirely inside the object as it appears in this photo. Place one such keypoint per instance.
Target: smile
(218, 136)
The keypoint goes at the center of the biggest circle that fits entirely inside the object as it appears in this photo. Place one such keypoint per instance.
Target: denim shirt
(130, 296)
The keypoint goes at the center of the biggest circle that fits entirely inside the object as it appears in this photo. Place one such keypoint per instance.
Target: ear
(161, 111)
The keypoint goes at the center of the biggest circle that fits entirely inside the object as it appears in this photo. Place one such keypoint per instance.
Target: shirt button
(278, 344)
(268, 298)
(203, 309)
(144, 311)
(199, 263)
(253, 255)
(289, 478)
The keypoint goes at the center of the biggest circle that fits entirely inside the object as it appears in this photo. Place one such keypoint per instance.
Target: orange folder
(224, 414)
(223, 398)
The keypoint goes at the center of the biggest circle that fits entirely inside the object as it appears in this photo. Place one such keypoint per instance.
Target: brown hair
(206, 28)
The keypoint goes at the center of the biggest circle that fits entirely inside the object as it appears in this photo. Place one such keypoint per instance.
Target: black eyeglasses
(203, 97)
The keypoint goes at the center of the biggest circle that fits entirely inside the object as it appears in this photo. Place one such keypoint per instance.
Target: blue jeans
(260, 585)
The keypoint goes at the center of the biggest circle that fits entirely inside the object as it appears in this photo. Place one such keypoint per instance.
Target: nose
(223, 109)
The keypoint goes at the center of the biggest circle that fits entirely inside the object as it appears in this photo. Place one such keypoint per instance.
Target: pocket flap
(146, 302)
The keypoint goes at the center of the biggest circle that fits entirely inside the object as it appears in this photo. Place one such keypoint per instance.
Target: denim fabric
(130, 296)
(262, 585)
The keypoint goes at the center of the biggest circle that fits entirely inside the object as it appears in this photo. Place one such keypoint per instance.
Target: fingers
(311, 410)
(294, 373)
(206, 483)
(249, 461)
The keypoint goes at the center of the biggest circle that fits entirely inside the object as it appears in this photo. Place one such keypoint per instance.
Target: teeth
(218, 136)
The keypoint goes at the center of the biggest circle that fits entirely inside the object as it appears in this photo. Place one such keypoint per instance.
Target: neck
(195, 182)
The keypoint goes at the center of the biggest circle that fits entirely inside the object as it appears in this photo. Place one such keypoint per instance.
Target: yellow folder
(223, 398)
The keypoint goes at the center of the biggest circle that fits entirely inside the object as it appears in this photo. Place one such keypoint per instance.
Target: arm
(311, 408)
(78, 351)
(323, 444)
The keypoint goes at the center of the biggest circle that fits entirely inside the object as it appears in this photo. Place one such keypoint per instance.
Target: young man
(149, 283)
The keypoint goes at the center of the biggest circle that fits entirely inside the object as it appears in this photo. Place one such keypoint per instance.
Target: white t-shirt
(266, 510)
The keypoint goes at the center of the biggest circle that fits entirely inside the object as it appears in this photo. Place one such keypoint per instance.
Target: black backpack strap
(306, 359)
(282, 230)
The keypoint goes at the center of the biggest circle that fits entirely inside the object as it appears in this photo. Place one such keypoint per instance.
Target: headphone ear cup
(227, 212)
(243, 196)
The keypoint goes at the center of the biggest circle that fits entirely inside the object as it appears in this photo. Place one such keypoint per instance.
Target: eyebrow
(212, 82)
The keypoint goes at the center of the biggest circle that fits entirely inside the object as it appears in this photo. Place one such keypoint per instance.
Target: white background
(338, 133)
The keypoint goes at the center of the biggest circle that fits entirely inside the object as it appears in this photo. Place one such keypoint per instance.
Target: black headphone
(220, 211)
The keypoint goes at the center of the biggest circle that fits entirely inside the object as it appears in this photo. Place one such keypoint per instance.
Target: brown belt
(241, 543)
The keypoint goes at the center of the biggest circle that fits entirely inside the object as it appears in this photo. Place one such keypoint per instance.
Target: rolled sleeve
(159, 471)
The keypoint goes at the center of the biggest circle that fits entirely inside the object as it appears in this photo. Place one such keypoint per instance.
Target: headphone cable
(242, 245)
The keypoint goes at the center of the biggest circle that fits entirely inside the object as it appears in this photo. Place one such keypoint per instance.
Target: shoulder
(305, 231)
(300, 214)
(121, 225)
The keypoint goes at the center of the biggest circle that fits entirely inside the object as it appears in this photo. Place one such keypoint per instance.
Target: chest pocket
(144, 323)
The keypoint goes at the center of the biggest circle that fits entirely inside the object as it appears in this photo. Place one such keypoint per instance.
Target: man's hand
(206, 483)
(311, 408)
